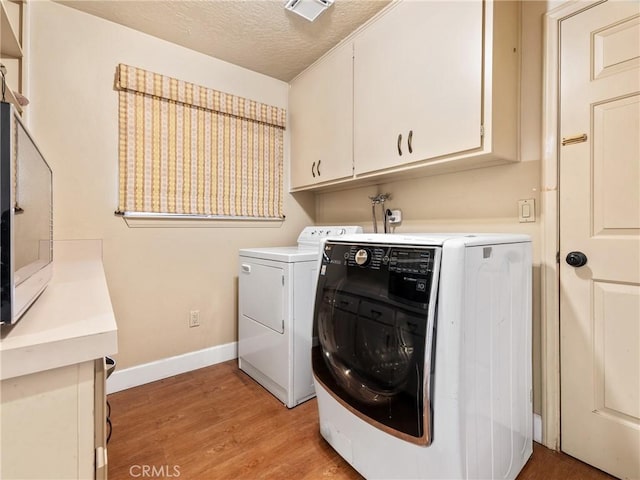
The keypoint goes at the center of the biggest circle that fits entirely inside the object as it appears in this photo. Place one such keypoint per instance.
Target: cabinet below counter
(70, 323)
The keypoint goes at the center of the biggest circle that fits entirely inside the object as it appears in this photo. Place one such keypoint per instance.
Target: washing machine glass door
(373, 321)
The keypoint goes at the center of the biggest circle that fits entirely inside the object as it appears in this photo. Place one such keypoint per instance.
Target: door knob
(576, 259)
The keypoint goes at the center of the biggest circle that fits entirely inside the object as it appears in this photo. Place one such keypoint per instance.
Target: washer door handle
(246, 268)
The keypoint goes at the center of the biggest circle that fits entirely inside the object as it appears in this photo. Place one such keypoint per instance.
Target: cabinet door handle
(400, 144)
(246, 268)
(409, 140)
(318, 168)
(313, 169)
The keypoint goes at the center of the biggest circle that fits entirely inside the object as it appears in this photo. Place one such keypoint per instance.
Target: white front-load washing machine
(422, 354)
(275, 311)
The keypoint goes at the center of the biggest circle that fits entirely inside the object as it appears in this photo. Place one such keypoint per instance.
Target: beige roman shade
(190, 150)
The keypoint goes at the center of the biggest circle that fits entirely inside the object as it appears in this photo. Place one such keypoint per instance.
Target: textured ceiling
(256, 34)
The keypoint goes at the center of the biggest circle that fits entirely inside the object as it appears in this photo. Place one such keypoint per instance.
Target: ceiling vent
(309, 9)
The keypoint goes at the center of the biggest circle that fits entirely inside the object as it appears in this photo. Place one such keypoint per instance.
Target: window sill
(139, 220)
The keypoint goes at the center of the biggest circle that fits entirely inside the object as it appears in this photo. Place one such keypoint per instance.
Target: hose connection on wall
(379, 199)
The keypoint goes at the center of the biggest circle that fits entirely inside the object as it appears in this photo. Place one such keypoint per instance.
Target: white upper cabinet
(418, 84)
(321, 120)
(434, 89)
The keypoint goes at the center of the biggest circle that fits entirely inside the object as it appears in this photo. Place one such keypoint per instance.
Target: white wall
(155, 275)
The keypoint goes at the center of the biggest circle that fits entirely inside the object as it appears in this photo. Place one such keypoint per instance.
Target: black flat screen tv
(26, 208)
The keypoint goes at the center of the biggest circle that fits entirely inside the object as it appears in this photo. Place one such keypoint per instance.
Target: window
(187, 150)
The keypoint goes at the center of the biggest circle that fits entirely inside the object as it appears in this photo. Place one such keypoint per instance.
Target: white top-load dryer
(275, 311)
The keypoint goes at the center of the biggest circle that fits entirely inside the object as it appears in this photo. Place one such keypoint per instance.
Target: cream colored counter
(52, 389)
(72, 321)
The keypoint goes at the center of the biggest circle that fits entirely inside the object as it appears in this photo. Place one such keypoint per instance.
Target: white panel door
(600, 218)
(418, 84)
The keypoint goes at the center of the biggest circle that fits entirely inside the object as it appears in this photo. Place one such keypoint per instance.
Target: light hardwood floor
(217, 423)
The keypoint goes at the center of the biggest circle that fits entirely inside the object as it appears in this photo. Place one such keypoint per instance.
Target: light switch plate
(527, 210)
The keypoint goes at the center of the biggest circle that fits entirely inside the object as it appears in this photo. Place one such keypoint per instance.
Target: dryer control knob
(362, 257)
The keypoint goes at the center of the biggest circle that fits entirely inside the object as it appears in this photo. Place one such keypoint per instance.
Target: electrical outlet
(395, 217)
(194, 318)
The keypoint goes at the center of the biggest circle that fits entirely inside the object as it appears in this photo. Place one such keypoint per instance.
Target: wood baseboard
(168, 367)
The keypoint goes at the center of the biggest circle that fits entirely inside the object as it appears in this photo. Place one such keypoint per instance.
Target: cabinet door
(321, 113)
(47, 424)
(418, 74)
(99, 418)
